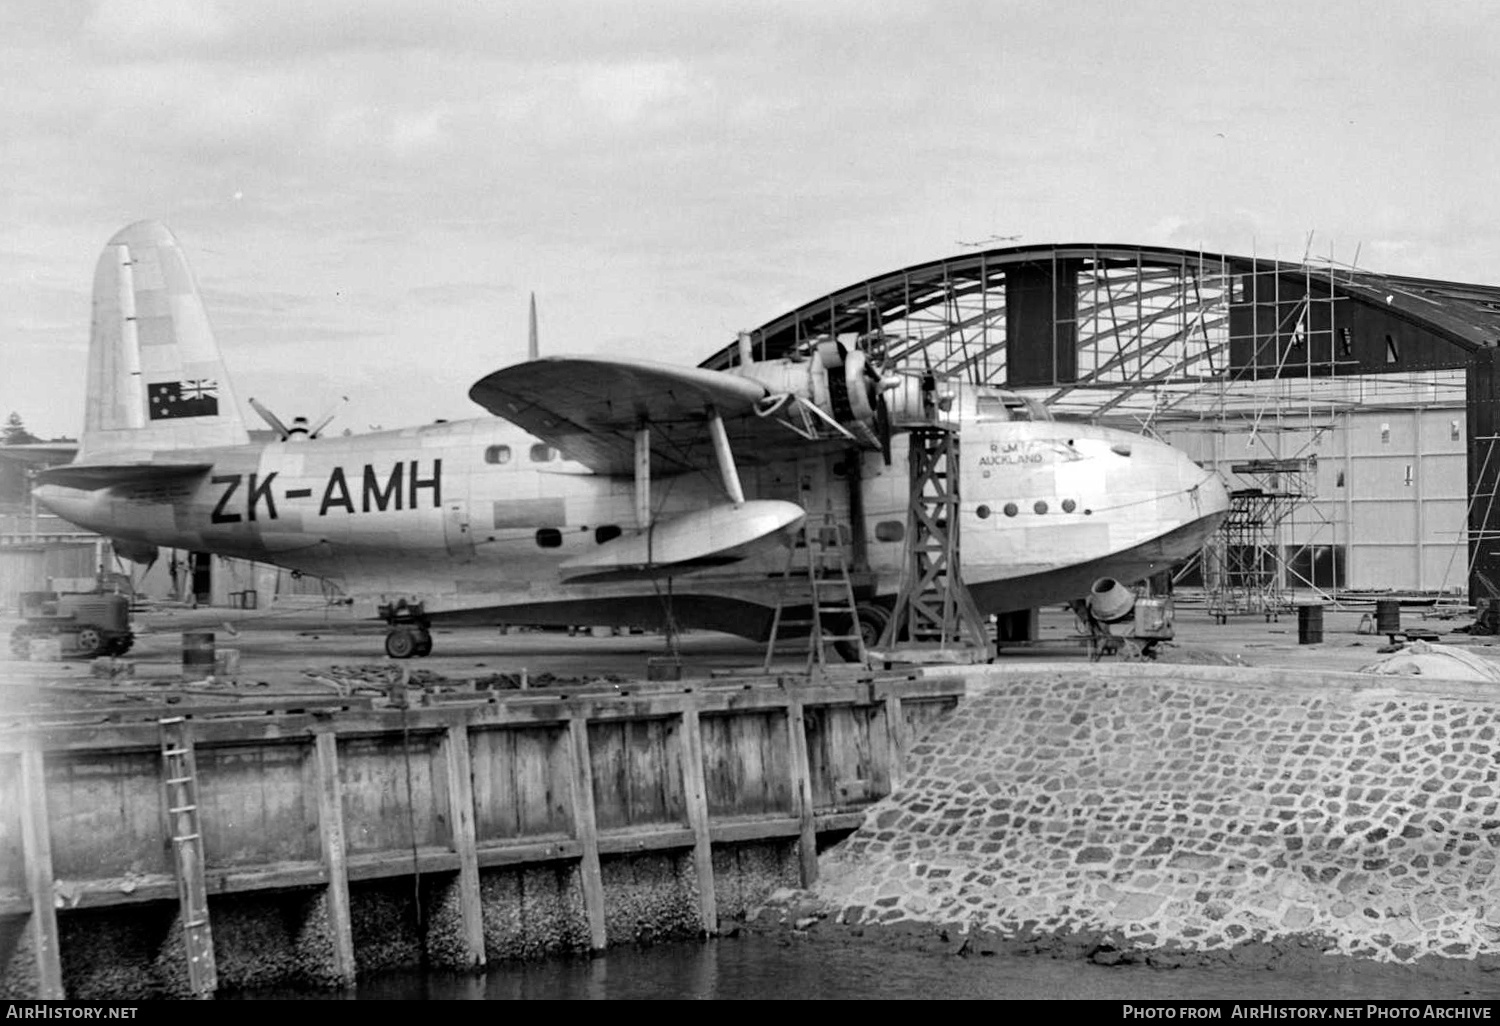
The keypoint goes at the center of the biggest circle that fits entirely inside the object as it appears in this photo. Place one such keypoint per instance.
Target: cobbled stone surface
(1198, 806)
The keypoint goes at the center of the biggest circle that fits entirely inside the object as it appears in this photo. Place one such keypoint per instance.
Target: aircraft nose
(1213, 495)
(1175, 473)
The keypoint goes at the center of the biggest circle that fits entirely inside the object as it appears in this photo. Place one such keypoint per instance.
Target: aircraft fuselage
(481, 522)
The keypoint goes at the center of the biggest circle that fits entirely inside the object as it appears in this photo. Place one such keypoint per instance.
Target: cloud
(143, 28)
(628, 93)
(665, 172)
(459, 292)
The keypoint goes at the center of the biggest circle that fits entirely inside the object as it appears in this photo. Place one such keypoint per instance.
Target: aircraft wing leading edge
(589, 408)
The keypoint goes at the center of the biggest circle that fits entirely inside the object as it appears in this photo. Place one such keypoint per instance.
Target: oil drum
(198, 651)
(1310, 624)
(1387, 616)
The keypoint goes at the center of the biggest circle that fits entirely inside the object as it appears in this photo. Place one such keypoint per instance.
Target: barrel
(1387, 616)
(1310, 624)
(198, 651)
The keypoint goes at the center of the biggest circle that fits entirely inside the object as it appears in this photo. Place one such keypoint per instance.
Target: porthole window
(499, 454)
(1069, 505)
(549, 538)
(543, 453)
(609, 532)
(1010, 509)
(983, 512)
(1040, 506)
(890, 531)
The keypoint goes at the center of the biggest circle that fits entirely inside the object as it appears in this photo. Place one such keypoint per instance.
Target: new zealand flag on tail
(196, 398)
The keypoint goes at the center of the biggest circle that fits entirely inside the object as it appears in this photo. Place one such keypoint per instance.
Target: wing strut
(643, 477)
(727, 469)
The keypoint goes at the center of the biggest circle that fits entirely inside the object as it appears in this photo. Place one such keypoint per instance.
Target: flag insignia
(198, 397)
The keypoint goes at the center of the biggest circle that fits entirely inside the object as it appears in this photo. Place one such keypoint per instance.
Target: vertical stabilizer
(533, 347)
(156, 380)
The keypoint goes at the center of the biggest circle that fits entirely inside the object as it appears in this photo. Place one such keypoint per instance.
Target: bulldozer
(86, 624)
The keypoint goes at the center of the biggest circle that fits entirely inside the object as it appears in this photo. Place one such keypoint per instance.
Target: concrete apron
(1199, 807)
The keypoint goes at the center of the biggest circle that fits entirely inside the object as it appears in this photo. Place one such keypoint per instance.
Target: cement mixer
(1112, 605)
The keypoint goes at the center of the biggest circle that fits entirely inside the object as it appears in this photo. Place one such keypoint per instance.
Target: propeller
(271, 419)
(299, 425)
(869, 381)
(327, 417)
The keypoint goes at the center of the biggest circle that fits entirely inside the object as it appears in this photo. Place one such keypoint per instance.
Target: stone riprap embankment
(1195, 807)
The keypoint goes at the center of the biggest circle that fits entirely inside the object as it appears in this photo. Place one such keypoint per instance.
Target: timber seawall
(151, 851)
(1198, 808)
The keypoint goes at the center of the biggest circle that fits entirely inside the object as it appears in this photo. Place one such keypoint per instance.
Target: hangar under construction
(1353, 414)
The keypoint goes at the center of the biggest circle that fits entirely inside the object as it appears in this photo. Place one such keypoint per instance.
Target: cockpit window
(990, 407)
(1038, 410)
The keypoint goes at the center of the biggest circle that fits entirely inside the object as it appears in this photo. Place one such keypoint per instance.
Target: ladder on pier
(180, 781)
(830, 596)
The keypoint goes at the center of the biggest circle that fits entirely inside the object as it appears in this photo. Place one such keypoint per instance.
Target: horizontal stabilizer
(714, 536)
(93, 476)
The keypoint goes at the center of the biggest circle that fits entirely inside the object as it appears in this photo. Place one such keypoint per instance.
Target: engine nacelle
(838, 383)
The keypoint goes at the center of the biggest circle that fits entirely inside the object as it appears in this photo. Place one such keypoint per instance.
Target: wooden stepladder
(830, 595)
(180, 781)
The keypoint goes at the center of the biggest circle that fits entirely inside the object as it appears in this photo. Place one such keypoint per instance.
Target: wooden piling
(37, 845)
(807, 842)
(461, 806)
(335, 859)
(895, 732)
(586, 832)
(697, 809)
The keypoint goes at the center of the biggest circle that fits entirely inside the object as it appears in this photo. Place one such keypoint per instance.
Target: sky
(368, 191)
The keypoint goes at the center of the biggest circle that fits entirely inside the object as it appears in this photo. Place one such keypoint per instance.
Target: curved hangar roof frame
(1114, 328)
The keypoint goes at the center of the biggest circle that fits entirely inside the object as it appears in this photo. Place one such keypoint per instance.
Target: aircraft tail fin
(156, 380)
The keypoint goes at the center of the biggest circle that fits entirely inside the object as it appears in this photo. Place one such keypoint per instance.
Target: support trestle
(935, 618)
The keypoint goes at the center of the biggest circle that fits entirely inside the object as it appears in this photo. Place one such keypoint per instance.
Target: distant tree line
(15, 432)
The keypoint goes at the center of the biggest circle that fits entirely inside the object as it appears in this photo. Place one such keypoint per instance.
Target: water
(768, 967)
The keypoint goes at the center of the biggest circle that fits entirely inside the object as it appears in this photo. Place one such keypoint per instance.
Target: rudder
(156, 379)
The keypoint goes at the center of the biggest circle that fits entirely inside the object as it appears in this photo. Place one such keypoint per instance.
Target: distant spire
(533, 350)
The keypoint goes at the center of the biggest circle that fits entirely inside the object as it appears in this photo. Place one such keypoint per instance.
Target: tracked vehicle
(87, 624)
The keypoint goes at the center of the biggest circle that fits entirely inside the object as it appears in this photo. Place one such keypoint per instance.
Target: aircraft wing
(589, 408)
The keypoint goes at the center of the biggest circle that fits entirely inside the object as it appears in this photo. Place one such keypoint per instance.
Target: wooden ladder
(180, 779)
(831, 595)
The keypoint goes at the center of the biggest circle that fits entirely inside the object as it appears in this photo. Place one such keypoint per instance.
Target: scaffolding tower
(1246, 572)
(935, 619)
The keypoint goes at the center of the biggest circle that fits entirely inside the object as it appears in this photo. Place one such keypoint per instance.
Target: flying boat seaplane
(602, 491)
